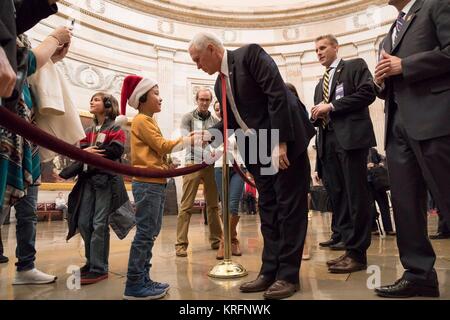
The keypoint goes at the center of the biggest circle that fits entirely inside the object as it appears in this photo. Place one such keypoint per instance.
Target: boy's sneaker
(92, 277)
(158, 285)
(33, 276)
(143, 292)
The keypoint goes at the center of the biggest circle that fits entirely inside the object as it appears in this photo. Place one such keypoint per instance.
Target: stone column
(165, 79)
(367, 50)
(294, 71)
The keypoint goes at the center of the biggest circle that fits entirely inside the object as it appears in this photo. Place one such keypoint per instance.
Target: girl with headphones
(106, 139)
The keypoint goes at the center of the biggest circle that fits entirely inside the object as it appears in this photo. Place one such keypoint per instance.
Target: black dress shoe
(328, 243)
(262, 283)
(340, 246)
(347, 265)
(3, 259)
(403, 288)
(439, 236)
(281, 289)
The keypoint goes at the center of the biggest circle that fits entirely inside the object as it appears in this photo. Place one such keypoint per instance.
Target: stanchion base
(227, 269)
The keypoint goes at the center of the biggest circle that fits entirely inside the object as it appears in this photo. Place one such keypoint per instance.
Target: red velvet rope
(242, 174)
(15, 124)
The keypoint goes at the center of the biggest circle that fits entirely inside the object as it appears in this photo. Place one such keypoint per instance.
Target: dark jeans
(94, 222)
(236, 188)
(26, 229)
(149, 199)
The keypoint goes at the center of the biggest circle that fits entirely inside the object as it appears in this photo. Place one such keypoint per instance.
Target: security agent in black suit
(16, 17)
(342, 100)
(413, 77)
(258, 98)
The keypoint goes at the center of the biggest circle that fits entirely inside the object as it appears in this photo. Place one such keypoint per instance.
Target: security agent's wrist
(332, 107)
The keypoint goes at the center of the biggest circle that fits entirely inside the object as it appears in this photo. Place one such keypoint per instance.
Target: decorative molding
(124, 36)
(90, 77)
(252, 17)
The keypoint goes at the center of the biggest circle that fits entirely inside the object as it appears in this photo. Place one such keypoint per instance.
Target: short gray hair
(202, 39)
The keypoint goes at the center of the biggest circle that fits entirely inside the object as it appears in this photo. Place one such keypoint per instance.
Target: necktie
(229, 94)
(399, 24)
(326, 86)
(326, 94)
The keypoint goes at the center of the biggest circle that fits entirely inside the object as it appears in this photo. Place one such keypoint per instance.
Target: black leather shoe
(262, 283)
(439, 236)
(340, 246)
(3, 259)
(347, 265)
(403, 288)
(281, 289)
(328, 243)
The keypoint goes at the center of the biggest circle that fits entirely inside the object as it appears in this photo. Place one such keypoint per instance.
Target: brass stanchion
(226, 269)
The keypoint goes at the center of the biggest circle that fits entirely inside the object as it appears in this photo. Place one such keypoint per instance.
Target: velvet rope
(15, 124)
(242, 174)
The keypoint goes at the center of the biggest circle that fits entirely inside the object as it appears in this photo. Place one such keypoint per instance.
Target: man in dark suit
(257, 98)
(413, 77)
(342, 99)
(17, 17)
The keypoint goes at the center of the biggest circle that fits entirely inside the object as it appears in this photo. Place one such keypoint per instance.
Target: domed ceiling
(248, 13)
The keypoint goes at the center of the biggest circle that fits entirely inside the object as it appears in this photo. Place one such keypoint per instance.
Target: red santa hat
(133, 88)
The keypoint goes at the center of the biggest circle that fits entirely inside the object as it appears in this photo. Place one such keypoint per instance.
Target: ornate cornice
(254, 18)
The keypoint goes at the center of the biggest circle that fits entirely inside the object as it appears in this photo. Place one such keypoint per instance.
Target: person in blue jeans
(26, 217)
(149, 149)
(235, 190)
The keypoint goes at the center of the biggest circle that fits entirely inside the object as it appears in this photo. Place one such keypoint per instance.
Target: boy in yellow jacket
(149, 149)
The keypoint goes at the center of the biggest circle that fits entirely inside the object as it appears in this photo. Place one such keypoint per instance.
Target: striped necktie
(326, 94)
(326, 86)
(399, 24)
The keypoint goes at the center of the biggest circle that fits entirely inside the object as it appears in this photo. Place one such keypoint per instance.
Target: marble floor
(188, 276)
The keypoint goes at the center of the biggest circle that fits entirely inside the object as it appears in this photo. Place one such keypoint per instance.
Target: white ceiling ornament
(291, 34)
(166, 27)
(97, 6)
(229, 36)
